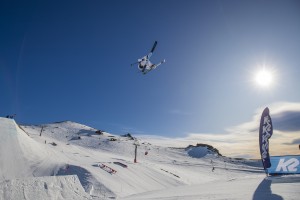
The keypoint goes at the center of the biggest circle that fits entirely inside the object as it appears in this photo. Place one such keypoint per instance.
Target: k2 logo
(288, 166)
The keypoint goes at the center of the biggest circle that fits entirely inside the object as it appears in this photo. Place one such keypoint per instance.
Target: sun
(264, 78)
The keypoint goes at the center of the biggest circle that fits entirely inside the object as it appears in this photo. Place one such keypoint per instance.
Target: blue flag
(284, 165)
(265, 132)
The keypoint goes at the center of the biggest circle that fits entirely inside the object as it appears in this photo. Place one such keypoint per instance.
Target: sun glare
(264, 78)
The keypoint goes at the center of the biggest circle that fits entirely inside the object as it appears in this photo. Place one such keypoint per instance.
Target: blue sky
(70, 60)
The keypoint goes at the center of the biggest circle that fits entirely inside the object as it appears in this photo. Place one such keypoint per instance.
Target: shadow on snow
(263, 191)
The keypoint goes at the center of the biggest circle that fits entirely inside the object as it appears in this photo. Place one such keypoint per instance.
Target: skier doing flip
(144, 63)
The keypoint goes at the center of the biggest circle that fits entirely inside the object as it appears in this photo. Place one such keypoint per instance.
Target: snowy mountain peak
(201, 150)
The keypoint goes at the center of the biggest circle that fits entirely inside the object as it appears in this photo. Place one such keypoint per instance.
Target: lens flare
(264, 78)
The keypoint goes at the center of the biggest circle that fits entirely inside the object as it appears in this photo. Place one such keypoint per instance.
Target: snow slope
(50, 187)
(250, 187)
(20, 155)
(68, 148)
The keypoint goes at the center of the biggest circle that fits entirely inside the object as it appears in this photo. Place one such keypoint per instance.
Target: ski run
(68, 160)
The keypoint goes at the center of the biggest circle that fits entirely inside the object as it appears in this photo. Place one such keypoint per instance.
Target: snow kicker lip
(43, 188)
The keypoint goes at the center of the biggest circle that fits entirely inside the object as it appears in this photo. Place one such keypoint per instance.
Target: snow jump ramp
(13, 163)
(21, 156)
(20, 163)
(50, 187)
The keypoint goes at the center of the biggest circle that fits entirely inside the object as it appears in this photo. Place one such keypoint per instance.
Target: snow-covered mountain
(68, 160)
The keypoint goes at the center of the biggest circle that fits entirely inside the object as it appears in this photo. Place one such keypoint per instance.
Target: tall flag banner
(265, 132)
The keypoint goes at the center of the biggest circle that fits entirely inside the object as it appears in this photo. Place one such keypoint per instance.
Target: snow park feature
(274, 165)
(121, 164)
(107, 168)
(49, 187)
(33, 169)
(22, 159)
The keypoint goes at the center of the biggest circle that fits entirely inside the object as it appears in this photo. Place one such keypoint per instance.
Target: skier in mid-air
(144, 63)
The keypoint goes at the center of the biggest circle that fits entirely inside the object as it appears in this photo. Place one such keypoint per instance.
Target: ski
(153, 48)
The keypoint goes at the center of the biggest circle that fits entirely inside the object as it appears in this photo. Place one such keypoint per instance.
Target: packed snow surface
(67, 160)
(50, 187)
